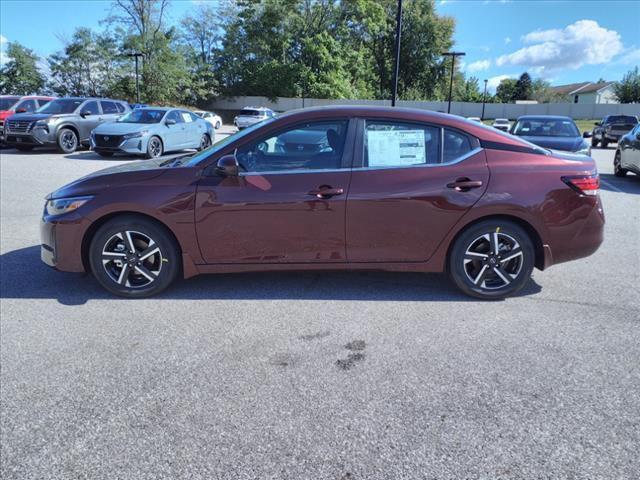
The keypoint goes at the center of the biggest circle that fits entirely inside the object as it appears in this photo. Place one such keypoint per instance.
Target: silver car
(152, 131)
(251, 115)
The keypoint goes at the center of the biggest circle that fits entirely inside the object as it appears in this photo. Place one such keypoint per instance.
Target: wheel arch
(96, 224)
(71, 127)
(531, 231)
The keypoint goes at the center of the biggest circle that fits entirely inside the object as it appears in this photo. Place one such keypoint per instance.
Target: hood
(569, 144)
(121, 175)
(121, 128)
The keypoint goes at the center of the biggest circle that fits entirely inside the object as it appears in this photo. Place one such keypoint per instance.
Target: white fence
(492, 110)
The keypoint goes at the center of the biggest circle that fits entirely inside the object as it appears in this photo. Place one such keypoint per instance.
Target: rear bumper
(61, 242)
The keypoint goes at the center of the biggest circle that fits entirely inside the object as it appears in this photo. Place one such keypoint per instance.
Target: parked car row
(107, 126)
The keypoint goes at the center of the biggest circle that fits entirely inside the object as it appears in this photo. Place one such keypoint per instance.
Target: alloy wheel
(132, 259)
(493, 261)
(68, 140)
(204, 142)
(155, 147)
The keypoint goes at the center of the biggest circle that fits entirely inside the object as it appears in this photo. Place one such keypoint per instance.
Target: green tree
(523, 87)
(541, 92)
(507, 90)
(628, 89)
(20, 75)
(468, 90)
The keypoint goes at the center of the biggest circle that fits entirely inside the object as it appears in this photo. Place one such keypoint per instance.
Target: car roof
(256, 108)
(90, 98)
(545, 117)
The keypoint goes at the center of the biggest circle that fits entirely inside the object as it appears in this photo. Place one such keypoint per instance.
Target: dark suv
(611, 128)
(65, 123)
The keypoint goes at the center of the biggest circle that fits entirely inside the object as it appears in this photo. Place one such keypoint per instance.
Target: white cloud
(478, 66)
(507, 40)
(3, 50)
(581, 43)
(493, 82)
(3, 40)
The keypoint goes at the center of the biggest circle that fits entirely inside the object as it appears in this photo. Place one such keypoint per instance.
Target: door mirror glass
(227, 166)
(587, 135)
(169, 121)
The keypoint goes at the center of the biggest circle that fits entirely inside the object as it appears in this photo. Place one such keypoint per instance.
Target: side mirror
(169, 121)
(86, 113)
(597, 124)
(21, 110)
(228, 166)
(587, 135)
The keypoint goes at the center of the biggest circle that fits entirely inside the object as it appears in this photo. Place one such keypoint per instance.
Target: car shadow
(23, 275)
(628, 184)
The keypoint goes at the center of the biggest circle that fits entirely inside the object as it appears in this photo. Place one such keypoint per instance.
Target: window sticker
(186, 117)
(392, 148)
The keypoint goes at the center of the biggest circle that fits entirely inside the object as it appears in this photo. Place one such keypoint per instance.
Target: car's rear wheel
(594, 141)
(154, 148)
(105, 154)
(205, 142)
(618, 171)
(134, 257)
(492, 259)
(24, 148)
(218, 125)
(67, 141)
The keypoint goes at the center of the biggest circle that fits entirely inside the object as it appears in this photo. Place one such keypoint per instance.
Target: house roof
(579, 88)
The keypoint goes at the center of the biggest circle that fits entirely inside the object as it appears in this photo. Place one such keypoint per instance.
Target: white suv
(252, 115)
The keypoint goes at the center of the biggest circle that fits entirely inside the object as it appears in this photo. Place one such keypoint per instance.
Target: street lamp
(396, 70)
(453, 56)
(484, 97)
(136, 55)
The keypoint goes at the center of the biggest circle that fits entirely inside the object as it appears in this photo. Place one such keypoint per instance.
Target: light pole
(136, 55)
(484, 98)
(453, 56)
(396, 70)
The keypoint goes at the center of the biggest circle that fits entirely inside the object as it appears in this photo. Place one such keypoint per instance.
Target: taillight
(585, 185)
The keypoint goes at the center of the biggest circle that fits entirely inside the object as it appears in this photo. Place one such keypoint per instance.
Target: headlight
(59, 206)
(129, 136)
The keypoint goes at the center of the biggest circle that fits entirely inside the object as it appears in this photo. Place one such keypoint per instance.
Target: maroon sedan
(333, 188)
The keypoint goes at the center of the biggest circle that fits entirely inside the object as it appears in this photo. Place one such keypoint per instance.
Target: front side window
(308, 146)
(91, 108)
(175, 115)
(109, 107)
(43, 101)
(120, 107)
(27, 105)
(391, 144)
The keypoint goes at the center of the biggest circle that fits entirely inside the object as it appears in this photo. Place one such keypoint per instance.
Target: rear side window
(393, 144)
(109, 107)
(456, 145)
(175, 115)
(120, 107)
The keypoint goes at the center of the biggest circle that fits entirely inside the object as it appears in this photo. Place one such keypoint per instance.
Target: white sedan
(210, 117)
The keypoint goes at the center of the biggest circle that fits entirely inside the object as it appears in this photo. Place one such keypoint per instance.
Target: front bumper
(133, 146)
(61, 241)
(35, 137)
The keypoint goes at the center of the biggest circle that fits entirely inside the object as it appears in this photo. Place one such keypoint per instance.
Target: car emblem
(106, 139)
(300, 147)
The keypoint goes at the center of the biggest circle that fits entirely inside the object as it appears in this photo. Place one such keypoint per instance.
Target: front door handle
(464, 184)
(326, 191)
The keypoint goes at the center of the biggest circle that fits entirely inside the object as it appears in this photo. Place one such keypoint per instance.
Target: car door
(89, 117)
(410, 184)
(173, 135)
(288, 203)
(194, 129)
(109, 111)
(632, 150)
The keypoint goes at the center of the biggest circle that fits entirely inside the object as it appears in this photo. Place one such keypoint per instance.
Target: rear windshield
(143, 115)
(7, 102)
(622, 119)
(63, 105)
(253, 113)
(546, 127)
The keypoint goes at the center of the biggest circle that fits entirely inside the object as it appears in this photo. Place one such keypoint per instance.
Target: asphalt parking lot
(316, 376)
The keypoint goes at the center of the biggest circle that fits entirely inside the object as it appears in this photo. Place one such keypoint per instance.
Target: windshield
(143, 116)
(546, 127)
(7, 102)
(63, 105)
(622, 119)
(218, 146)
(252, 113)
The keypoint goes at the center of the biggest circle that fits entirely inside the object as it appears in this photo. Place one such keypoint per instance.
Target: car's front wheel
(618, 171)
(67, 141)
(154, 148)
(205, 142)
(134, 257)
(492, 259)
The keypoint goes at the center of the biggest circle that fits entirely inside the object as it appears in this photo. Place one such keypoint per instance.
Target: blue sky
(562, 41)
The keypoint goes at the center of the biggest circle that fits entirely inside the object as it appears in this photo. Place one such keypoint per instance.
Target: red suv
(10, 104)
(353, 188)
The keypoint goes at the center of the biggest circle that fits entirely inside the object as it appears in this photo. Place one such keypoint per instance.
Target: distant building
(586, 92)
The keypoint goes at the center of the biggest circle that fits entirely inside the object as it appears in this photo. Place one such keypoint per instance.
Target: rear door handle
(326, 191)
(464, 184)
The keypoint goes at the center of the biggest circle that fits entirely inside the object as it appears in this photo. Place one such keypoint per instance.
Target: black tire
(217, 125)
(143, 277)
(105, 154)
(604, 143)
(205, 142)
(594, 142)
(24, 148)
(67, 140)
(618, 171)
(152, 151)
(495, 279)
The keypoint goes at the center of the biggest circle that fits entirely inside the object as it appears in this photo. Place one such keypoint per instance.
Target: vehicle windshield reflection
(218, 146)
